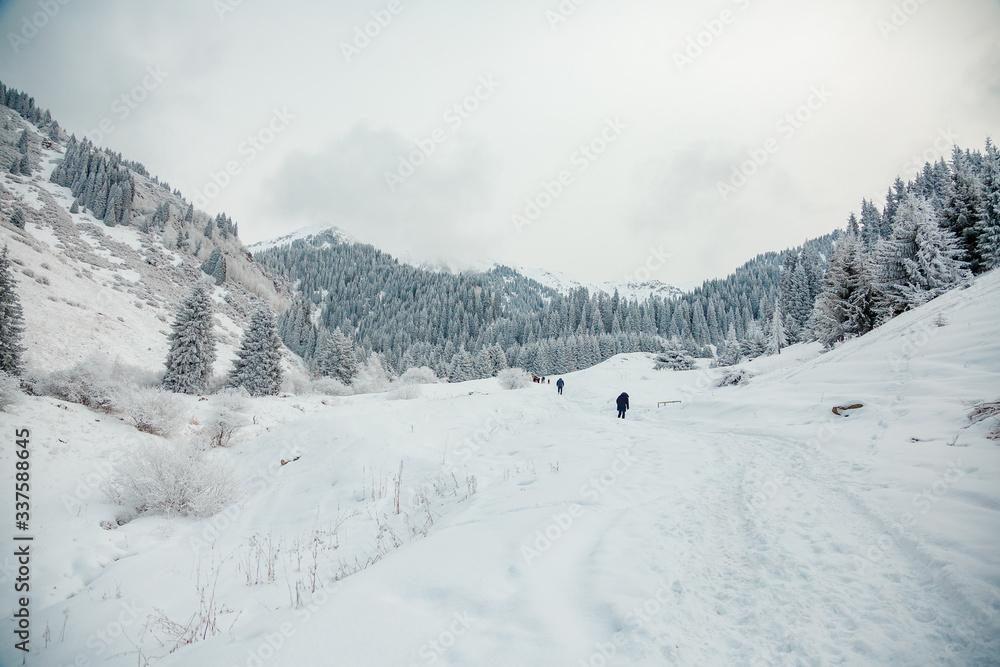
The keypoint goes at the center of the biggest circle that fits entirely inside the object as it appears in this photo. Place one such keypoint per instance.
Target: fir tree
(17, 217)
(258, 364)
(964, 210)
(336, 357)
(989, 220)
(778, 339)
(919, 262)
(192, 346)
(847, 306)
(11, 320)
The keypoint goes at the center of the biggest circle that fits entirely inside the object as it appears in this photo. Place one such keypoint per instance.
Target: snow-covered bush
(87, 383)
(228, 414)
(10, 391)
(674, 360)
(170, 478)
(149, 409)
(513, 378)
(404, 392)
(734, 377)
(143, 377)
(372, 378)
(421, 375)
(331, 387)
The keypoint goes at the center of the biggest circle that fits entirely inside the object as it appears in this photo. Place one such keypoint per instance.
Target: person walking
(559, 385)
(622, 404)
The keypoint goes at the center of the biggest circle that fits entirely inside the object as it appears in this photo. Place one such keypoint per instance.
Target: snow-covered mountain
(561, 283)
(468, 525)
(627, 289)
(86, 287)
(304, 233)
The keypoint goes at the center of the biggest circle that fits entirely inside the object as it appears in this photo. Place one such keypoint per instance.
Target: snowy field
(746, 525)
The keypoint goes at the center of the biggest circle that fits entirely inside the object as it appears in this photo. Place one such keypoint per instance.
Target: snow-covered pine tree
(463, 367)
(336, 357)
(964, 210)
(919, 262)
(989, 220)
(777, 338)
(258, 361)
(192, 345)
(871, 226)
(848, 305)
(11, 320)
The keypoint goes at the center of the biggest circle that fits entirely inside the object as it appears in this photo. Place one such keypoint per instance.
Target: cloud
(355, 183)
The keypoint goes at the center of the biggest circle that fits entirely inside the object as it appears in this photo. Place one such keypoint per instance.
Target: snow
(126, 235)
(744, 525)
(303, 233)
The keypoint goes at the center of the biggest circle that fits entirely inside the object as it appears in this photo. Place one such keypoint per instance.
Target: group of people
(621, 401)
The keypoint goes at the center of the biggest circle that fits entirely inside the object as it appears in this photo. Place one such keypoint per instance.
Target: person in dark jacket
(560, 384)
(622, 404)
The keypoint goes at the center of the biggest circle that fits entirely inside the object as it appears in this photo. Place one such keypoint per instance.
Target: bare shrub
(513, 378)
(87, 383)
(734, 377)
(404, 392)
(172, 479)
(149, 409)
(421, 375)
(10, 391)
(331, 387)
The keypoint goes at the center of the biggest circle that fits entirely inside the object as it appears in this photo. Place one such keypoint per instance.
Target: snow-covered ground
(745, 525)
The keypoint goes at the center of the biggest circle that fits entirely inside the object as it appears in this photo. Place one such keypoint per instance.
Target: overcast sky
(622, 122)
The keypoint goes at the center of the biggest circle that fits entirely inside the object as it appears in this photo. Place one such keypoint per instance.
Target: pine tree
(463, 367)
(258, 361)
(919, 262)
(336, 357)
(17, 217)
(848, 305)
(192, 346)
(989, 219)
(11, 320)
(964, 210)
(778, 339)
